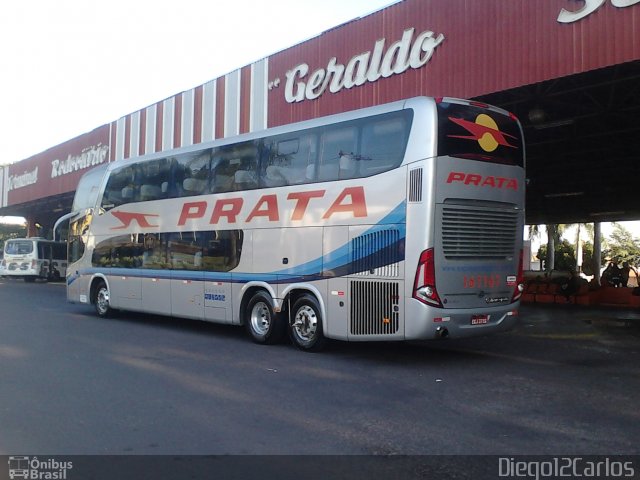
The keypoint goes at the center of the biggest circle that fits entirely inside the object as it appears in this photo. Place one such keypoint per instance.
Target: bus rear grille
(469, 232)
(374, 307)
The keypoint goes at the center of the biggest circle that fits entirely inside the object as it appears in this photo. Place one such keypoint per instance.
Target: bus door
(124, 282)
(45, 258)
(187, 274)
(221, 253)
(155, 281)
(77, 286)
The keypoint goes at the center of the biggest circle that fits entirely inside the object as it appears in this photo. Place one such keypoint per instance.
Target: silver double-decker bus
(401, 221)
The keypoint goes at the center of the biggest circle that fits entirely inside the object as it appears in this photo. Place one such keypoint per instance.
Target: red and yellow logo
(127, 218)
(485, 131)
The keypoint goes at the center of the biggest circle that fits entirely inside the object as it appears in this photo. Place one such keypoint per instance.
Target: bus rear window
(18, 247)
(476, 133)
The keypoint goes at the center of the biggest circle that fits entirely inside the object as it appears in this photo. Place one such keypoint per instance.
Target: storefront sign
(88, 158)
(589, 7)
(408, 52)
(23, 180)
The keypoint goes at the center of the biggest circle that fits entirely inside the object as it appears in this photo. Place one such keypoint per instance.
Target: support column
(578, 250)
(597, 251)
(32, 226)
(551, 248)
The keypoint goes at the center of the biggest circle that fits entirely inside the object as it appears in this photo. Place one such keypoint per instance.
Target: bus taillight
(424, 285)
(517, 293)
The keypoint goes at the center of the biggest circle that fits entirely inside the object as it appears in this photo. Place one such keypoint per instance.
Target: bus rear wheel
(262, 323)
(306, 324)
(101, 300)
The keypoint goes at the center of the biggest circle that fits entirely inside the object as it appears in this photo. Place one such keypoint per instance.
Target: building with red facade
(569, 69)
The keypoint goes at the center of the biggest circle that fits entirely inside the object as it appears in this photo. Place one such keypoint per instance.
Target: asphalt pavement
(565, 381)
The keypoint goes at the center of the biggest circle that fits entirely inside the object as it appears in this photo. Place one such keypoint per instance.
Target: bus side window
(185, 250)
(77, 238)
(120, 188)
(383, 144)
(131, 191)
(155, 252)
(271, 174)
(290, 161)
(196, 167)
(221, 251)
(221, 175)
(246, 175)
(154, 180)
(336, 149)
(172, 188)
(103, 253)
(127, 251)
(236, 167)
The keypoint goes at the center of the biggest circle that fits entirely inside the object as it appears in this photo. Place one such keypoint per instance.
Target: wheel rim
(260, 318)
(305, 323)
(102, 301)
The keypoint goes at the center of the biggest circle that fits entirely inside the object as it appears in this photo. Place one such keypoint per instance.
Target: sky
(69, 66)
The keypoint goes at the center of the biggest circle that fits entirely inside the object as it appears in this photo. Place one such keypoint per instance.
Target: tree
(622, 246)
(587, 258)
(554, 236)
(564, 258)
(9, 230)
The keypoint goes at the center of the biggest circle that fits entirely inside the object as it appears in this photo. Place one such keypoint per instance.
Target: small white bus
(396, 222)
(33, 258)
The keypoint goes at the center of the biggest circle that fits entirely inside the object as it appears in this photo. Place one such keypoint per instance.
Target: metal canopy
(582, 136)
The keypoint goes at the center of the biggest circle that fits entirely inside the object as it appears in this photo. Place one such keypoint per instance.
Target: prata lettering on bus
(350, 201)
(365, 67)
(590, 6)
(483, 180)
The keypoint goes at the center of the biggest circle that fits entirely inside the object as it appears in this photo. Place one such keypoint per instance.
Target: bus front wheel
(306, 324)
(262, 323)
(101, 300)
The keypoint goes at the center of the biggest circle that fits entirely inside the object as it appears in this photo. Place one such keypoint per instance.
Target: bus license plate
(479, 319)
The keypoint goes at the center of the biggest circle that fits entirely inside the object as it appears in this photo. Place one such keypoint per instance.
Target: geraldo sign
(589, 7)
(408, 52)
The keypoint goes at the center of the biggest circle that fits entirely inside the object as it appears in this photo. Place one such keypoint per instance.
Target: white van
(32, 258)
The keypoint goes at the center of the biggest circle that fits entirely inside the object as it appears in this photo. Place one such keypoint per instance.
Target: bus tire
(306, 324)
(262, 323)
(101, 300)
(29, 279)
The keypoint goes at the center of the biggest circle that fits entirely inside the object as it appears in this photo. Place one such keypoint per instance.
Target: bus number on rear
(481, 281)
